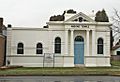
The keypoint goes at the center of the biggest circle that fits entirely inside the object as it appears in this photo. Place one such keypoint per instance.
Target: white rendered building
(76, 41)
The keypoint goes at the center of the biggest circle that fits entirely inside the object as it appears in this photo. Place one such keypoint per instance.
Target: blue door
(79, 50)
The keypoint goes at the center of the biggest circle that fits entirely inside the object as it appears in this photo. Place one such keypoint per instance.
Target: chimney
(1, 24)
(9, 26)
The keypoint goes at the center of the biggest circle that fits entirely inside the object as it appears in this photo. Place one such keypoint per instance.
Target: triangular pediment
(80, 17)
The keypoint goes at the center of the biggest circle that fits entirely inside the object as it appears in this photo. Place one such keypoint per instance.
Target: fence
(115, 57)
(49, 60)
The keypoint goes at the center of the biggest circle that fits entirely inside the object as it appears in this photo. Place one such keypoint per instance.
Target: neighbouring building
(2, 43)
(116, 51)
(116, 48)
(76, 41)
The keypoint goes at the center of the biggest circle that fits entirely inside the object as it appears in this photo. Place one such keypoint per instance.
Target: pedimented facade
(76, 41)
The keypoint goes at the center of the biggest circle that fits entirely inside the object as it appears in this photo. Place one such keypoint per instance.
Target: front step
(79, 65)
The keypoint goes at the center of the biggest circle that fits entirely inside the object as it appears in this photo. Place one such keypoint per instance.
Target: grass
(115, 63)
(114, 70)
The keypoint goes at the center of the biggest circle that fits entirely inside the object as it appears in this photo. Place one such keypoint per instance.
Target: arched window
(20, 48)
(39, 48)
(100, 46)
(79, 39)
(57, 45)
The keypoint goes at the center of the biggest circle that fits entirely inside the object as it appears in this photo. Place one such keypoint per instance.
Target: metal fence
(49, 60)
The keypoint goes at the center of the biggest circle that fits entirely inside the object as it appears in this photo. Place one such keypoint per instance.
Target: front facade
(76, 41)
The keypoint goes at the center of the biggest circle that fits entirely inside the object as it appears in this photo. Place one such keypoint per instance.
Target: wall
(115, 51)
(100, 59)
(114, 55)
(2, 45)
(30, 37)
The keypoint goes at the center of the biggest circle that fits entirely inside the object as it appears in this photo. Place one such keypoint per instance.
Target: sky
(35, 13)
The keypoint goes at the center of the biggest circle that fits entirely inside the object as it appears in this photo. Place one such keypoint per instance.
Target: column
(87, 43)
(72, 43)
(66, 42)
(93, 43)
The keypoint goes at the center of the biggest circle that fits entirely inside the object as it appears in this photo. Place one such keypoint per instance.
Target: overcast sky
(35, 13)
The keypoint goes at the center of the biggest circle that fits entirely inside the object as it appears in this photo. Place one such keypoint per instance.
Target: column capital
(88, 30)
(71, 29)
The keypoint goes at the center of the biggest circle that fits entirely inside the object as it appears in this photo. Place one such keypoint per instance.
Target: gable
(80, 17)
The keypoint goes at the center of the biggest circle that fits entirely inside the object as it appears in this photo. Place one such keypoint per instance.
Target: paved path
(60, 79)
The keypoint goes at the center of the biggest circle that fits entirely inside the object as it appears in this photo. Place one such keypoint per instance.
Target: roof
(115, 47)
(80, 14)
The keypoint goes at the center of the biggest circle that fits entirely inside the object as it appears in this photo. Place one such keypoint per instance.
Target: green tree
(71, 11)
(61, 17)
(101, 16)
(57, 18)
(104, 16)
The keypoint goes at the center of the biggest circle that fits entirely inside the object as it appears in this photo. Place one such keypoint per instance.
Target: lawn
(114, 70)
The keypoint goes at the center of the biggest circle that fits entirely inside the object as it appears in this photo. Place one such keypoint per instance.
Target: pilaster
(87, 42)
(72, 43)
(66, 42)
(93, 43)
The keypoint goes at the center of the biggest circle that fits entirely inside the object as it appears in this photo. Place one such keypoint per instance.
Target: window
(20, 48)
(79, 39)
(118, 52)
(100, 46)
(39, 49)
(57, 45)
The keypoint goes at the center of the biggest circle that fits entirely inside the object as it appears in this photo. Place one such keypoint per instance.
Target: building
(116, 51)
(2, 43)
(76, 41)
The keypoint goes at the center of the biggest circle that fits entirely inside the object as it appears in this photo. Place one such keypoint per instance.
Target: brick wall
(1, 24)
(2, 45)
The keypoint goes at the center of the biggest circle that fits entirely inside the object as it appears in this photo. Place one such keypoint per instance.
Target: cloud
(37, 12)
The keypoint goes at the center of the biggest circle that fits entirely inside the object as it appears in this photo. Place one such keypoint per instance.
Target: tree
(61, 17)
(71, 11)
(116, 27)
(57, 18)
(111, 39)
(116, 23)
(104, 15)
(101, 16)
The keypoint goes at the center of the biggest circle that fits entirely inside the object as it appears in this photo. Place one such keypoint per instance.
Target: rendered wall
(47, 36)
